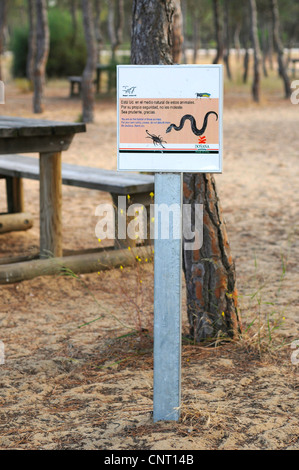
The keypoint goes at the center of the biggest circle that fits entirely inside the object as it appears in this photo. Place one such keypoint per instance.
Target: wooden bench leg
(50, 205)
(126, 241)
(15, 194)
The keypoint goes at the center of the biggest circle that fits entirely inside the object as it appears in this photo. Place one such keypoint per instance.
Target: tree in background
(89, 71)
(279, 48)
(31, 40)
(3, 18)
(256, 52)
(115, 28)
(218, 32)
(209, 272)
(42, 51)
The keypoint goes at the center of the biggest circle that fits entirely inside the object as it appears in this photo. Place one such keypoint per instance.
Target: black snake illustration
(193, 123)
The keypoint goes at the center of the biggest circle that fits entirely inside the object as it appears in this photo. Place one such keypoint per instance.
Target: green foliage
(67, 54)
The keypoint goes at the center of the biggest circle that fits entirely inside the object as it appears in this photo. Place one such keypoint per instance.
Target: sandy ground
(68, 386)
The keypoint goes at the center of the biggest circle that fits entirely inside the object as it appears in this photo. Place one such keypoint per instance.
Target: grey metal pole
(167, 300)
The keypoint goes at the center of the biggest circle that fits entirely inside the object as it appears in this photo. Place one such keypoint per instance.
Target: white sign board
(170, 118)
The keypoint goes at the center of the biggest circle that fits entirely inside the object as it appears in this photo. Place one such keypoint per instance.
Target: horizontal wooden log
(15, 222)
(78, 264)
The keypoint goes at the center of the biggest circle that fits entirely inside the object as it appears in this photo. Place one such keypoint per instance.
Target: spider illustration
(157, 139)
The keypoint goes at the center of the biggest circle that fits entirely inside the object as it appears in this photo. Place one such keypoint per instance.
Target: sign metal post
(169, 122)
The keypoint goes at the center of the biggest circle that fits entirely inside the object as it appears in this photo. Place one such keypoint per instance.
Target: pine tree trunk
(227, 39)
(279, 47)
(152, 32)
(31, 41)
(209, 272)
(256, 52)
(3, 15)
(42, 52)
(218, 32)
(177, 33)
(90, 67)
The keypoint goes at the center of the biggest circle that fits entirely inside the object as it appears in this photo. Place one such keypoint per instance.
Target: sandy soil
(68, 386)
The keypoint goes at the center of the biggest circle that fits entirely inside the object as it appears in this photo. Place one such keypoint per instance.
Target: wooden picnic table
(49, 139)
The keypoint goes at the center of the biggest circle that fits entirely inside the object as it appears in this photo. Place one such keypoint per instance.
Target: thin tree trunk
(31, 41)
(90, 67)
(42, 52)
(264, 51)
(237, 40)
(97, 28)
(177, 33)
(256, 52)
(3, 17)
(279, 48)
(227, 39)
(246, 65)
(210, 269)
(218, 32)
(73, 9)
(115, 30)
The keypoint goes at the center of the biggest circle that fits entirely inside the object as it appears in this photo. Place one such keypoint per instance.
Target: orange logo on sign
(202, 140)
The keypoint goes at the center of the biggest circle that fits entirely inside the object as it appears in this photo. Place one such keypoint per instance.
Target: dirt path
(65, 387)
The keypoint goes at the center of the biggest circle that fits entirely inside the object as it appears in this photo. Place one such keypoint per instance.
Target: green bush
(66, 56)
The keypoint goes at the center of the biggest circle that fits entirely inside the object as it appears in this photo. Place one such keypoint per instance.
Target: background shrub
(67, 54)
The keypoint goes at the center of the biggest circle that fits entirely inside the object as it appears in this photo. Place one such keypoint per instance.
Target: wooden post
(15, 194)
(167, 303)
(50, 205)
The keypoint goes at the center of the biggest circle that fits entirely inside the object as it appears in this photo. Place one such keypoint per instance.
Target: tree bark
(279, 48)
(177, 33)
(31, 41)
(3, 17)
(256, 52)
(90, 67)
(152, 32)
(218, 32)
(209, 272)
(42, 52)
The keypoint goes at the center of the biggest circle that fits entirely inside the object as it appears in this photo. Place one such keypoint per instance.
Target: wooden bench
(139, 187)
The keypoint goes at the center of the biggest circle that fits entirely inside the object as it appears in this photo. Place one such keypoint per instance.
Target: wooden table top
(26, 127)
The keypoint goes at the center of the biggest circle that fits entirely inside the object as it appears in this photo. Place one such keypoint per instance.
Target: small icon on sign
(129, 89)
(202, 140)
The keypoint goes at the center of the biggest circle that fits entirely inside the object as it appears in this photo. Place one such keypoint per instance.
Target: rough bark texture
(152, 32)
(90, 67)
(31, 40)
(279, 47)
(256, 52)
(97, 28)
(210, 271)
(177, 33)
(218, 32)
(42, 52)
(3, 15)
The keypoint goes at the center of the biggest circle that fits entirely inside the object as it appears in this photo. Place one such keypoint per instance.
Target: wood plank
(79, 264)
(50, 205)
(22, 127)
(81, 176)
(15, 222)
